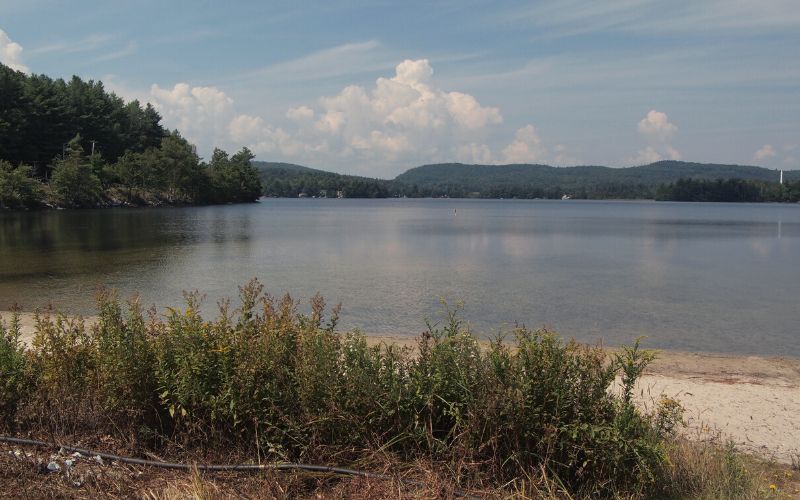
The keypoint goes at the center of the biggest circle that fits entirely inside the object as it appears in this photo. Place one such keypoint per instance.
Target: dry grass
(699, 470)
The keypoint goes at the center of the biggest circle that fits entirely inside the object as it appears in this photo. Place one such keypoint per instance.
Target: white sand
(754, 401)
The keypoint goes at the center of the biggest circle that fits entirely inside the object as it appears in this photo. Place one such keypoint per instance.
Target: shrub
(63, 369)
(125, 361)
(268, 378)
(18, 189)
(13, 369)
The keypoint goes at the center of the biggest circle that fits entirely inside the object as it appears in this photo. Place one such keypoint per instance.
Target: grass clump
(267, 379)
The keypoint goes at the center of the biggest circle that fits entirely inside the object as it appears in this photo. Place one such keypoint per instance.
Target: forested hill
(479, 177)
(543, 181)
(290, 180)
(456, 180)
(271, 167)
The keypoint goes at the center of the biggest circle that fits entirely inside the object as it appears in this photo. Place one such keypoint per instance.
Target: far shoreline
(45, 209)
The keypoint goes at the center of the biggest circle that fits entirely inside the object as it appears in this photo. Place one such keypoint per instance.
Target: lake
(704, 277)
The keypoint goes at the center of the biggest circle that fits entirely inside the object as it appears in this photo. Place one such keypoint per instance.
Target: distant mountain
(480, 176)
(290, 180)
(457, 180)
(278, 167)
(544, 181)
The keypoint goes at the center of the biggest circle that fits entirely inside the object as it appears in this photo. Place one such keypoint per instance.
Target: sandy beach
(753, 401)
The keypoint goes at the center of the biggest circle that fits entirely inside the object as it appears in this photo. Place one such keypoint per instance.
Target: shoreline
(751, 400)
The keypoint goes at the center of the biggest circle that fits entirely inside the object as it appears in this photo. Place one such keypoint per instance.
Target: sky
(376, 87)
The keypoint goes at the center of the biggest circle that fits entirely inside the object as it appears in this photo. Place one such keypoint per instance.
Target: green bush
(13, 369)
(271, 379)
(18, 188)
(125, 361)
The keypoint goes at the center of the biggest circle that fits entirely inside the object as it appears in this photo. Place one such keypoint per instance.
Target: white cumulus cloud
(201, 114)
(658, 131)
(527, 147)
(656, 127)
(401, 121)
(11, 53)
(300, 113)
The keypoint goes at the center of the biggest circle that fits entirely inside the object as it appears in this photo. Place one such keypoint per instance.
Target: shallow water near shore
(693, 277)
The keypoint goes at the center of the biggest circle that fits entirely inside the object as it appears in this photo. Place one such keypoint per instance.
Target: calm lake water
(707, 277)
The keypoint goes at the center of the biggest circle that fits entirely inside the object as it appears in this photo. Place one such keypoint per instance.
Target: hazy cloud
(574, 17)
(474, 153)
(331, 62)
(11, 53)
(125, 51)
(526, 147)
(770, 155)
(764, 152)
(87, 43)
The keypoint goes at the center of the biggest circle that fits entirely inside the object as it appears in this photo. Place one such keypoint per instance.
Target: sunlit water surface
(708, 277)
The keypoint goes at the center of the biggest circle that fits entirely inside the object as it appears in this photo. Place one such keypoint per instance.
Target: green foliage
(52, 124)
(63, 370)
(456, 180)
(729, 190)
(543, 181)
(13, 369)
(125, 361)
(287, 180)
(39, 114)
(17, 187)
(74, 182)
(180, 169)
(234, 179)
(288, 384)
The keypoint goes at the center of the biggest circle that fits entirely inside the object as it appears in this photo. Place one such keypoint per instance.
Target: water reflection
(690, 276)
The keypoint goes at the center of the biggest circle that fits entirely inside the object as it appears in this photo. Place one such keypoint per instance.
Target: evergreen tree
(73, 181)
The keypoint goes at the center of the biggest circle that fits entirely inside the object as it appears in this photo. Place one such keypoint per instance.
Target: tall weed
(13, 369)
(269, 378)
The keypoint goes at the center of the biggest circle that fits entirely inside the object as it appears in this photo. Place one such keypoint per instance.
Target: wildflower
(773, 487)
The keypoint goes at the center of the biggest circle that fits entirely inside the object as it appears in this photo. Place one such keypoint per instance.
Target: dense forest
(288, 180)
(662, 180)
(73, 144)
(729, 190)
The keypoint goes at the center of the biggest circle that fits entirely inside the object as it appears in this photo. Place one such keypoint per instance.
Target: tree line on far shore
(286, 183)
(728, 190)
(73, 144)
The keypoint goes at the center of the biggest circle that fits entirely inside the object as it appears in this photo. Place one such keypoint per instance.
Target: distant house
(340, 194)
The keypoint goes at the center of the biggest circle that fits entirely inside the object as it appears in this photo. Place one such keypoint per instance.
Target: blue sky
(375, 87)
